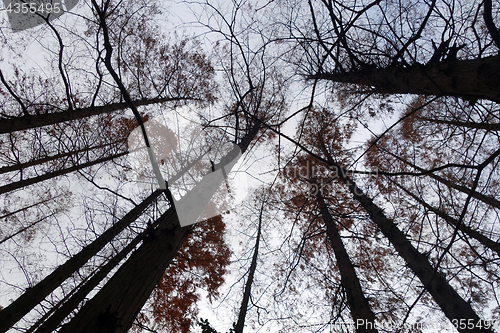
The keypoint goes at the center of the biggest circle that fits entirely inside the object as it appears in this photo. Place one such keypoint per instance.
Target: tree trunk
(21, 166)
(27, 122)
(32, 296)
(361, 313)
(117, 304)
(469, 79)
(492, 245)
(26, 182)
(453, 306)
(240, 324)
(61, 312)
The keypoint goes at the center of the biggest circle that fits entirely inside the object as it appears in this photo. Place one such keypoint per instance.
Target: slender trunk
(59, 313)
(454, 307)
(21, 166)
(240, 324)
(117, 304)
(470, 79)
(361, 313)
(28, 207)
(26, 182)
(27, 122)
(492, 245)
(476, 195)
(31, 225)
(49, 325)
(32, 296)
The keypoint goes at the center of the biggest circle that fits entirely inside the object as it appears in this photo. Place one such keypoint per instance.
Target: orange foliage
(200, 263)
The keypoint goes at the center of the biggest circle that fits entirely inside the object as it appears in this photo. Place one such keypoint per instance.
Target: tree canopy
(367, 131)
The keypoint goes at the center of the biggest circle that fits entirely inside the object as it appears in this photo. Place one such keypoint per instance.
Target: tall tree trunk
(27, 122)
(60, 312)
(32, 296)
(361, 313)
(117, 304)
(492, 245)
(26, 182)
(240, 324)
(21, 166)
(470, 79)
(453, 306)
(476, 195)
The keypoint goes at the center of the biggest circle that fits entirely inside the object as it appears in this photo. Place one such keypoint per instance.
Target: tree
(41, 106)
(402, 57)
(433, 281)
(303, 171)
(376, 50)
(360, 309)
(15, 311)
(240, 323)
(164, 237)
(424, 234)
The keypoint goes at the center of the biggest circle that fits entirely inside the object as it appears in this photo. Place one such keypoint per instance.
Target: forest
(249, 166)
